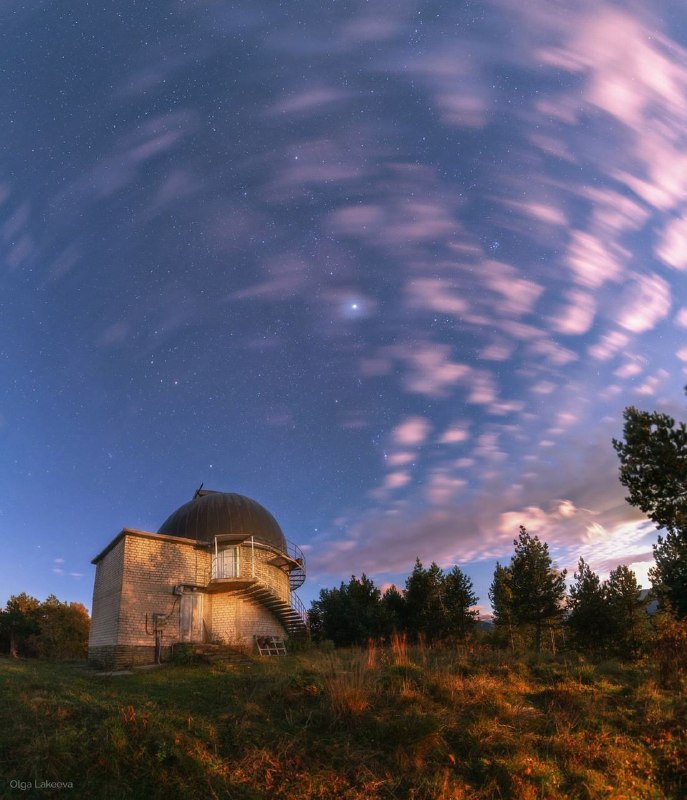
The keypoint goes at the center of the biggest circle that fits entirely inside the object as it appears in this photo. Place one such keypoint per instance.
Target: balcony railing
(238, 563)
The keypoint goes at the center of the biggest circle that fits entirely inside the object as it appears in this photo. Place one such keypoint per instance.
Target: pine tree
(459, 598)
(589, 613)
(425, 608)
(653, 466)
(669, 575)
(393, 611)
(538, 589)
(630, 630)
(501, 598)
(349, 614)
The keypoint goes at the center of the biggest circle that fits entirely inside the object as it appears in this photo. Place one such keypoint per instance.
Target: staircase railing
(298, 606)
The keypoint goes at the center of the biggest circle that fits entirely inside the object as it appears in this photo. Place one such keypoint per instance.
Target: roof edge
(147, 535)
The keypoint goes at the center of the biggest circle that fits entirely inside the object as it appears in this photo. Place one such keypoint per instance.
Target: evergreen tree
(501, 598)
(348, 615)
(630, 629)
(669, 575)
(589, 612)
(459, 598)
(393, 611)
(425, 608)
(538, 589)
(653, 466)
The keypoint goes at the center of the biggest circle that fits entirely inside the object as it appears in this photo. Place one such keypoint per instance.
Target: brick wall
(107, 590)
(266, 573)
(136, 579)
(152, 568)
(256, 620)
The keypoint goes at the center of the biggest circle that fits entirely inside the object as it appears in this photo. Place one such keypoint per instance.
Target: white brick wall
(137, 577)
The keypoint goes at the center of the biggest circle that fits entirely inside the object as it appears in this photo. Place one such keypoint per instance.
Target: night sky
(392, 269)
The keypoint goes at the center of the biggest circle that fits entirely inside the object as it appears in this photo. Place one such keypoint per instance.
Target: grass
(422, 724)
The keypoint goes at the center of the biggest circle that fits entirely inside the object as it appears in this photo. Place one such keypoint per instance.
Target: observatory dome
(212, 514)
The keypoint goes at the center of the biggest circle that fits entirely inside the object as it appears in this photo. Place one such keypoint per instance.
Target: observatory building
(219, 570)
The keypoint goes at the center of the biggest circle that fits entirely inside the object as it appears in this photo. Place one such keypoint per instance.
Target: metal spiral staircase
(293, 616)
(291, 613)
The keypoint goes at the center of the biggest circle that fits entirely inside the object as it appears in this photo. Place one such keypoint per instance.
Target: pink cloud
(482, 390)
(543, 387)
(672, 249)
(545, 213)
(497, 351)
(412, 431)
(372, 27)
(400, 459)
(431, 371)
(455, 83)
(614, 213)
(517, 295)
(553, 352)
(396, 480)
(608, 346)
(358, 219)
(628, 370)
(458, 432)
(309, 100)
(283, 280)
(652, 384)
(436, 294)
(578, 316)
(646, 301)
(594, 262)
(442, 487)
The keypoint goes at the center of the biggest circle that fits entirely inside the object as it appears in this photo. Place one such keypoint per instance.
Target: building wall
(153, 567)
(137, 578)
(107, 592)
(236, 620)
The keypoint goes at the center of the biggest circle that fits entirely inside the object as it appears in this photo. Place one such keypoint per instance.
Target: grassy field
(356, 725)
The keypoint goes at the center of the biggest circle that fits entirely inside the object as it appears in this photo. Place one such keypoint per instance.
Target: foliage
(653, 466)
(630, 629)
(669, 574)
(348, 615)
(590, 617)
(438, 605)
(425, 612)
(537, 588)
(393, 611)
(52, 629)
(670, 647)
(501, 597)
(435, 605)
(459, 599)
(18, 624)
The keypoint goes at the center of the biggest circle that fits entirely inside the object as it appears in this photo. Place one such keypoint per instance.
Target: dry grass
(375, 724)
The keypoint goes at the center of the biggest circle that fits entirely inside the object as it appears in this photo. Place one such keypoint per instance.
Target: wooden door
(191, 628)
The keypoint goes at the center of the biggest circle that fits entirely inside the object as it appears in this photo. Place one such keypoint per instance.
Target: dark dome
(211, 514)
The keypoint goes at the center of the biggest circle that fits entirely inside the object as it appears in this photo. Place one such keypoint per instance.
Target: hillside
(349, 725)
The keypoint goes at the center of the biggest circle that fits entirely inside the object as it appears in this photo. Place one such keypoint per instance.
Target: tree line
(531, 604)
(532, 607)
(50, 629)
